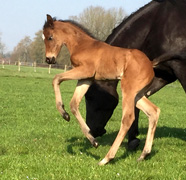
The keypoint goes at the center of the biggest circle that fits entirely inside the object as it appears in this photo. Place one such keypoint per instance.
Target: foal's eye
(50, 38)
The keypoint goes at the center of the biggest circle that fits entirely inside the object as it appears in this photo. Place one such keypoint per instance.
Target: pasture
(37, 144)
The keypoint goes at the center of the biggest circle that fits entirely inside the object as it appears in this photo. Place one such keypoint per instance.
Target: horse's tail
(168, 57)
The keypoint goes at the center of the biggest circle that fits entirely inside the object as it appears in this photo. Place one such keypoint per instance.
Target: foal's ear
(50, 20)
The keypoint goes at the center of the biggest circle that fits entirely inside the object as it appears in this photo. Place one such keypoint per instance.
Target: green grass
(37, 144)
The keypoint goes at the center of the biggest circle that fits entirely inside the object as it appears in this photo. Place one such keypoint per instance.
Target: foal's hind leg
(156, 85)
(152, 112)
(80, 91)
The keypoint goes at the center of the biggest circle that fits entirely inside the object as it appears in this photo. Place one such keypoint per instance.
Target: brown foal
(95, 60)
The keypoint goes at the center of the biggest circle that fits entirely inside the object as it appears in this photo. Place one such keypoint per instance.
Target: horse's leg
(156, 85)
(81, 89)
(101, 100)
(152, 112)
(133, 142)
(126, 122)
(179, 67)
(74, 74)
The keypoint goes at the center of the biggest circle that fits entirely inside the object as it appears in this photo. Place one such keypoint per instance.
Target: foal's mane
(78, 25)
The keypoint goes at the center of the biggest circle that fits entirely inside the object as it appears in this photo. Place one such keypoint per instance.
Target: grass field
(37, 144)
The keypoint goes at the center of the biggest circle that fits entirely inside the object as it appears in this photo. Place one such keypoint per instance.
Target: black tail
(168, 57)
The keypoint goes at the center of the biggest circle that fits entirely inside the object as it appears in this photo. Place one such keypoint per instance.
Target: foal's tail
(168, 57)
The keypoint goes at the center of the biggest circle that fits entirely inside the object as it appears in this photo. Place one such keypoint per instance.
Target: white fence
(34, 65)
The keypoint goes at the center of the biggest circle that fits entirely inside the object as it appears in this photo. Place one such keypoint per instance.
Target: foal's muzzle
(51, 60)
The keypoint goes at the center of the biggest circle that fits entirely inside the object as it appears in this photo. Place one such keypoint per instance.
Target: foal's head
(53, 42)
(56, 33)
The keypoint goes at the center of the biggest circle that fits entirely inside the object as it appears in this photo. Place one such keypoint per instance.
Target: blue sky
(20, 18)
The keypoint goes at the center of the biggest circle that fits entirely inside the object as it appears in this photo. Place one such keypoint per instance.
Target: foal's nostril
(47, 60)
(53, 60)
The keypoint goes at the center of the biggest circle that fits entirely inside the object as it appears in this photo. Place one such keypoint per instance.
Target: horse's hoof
(95, 144)
(140, 159)
(132, 145)
(66, 116)
(102, 162)
(144, 155)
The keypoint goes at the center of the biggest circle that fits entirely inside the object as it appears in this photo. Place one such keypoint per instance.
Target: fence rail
(34, 65)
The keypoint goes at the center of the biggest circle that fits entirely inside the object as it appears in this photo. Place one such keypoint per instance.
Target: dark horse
(159, 30)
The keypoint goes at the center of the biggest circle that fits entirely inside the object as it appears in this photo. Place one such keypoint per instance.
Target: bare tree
(37, 48)
(21, 51)
(99, 21)
(2, 48)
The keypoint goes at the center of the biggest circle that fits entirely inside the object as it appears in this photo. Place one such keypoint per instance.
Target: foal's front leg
(74, 74)
(58, 98)
(80, 91)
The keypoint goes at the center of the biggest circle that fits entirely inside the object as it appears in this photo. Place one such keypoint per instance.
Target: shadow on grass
(165, 132)
(83, 146)
(107, 139)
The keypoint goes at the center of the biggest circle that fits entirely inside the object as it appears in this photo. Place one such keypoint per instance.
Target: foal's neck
(77, 39)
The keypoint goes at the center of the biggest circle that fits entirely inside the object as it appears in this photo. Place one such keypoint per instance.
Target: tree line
(2, 48)
(98, 21)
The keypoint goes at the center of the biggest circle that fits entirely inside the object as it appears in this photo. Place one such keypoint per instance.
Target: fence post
(34, 66)
(3, 62)
(65, 68)
(19, 65)
(49, 67)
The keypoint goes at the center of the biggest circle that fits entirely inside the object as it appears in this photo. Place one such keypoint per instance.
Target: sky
(20, 18)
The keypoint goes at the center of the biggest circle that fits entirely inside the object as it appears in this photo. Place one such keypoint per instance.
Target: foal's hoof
(132, 145)
(66, 116)
(103, 162)
(95, 144)
(140, 159)
(144, 155)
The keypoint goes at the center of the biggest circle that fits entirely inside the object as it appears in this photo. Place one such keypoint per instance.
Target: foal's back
(114, 62)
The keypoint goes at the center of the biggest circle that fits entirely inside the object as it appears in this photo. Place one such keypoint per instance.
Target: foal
(95, 60)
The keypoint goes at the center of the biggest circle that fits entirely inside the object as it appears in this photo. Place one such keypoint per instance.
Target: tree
(100, 22)
(2, 48)
(22, 50)
(37, 48)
